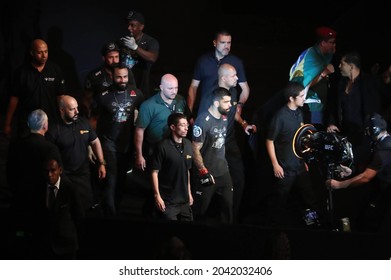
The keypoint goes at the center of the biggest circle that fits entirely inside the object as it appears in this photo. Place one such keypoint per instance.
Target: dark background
(268, 39)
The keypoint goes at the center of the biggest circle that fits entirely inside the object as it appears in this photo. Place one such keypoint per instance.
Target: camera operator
(289, 171)
(378, 170)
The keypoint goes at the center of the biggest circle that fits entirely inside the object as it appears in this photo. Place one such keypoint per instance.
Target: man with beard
(211, 167)
(73, 135)
(227, 78)
(205, 76)
(100, 79)
(115, 128)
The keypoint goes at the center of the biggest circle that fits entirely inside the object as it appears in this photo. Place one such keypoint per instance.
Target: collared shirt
(153, 116)
(56, 189)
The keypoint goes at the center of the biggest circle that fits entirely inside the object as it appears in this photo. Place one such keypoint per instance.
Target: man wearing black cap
(378, 171)
(139, 51)
(312, 69)
(100, 79)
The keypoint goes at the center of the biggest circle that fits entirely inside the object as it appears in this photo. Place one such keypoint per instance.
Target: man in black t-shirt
(211, 167)
(73, 135)
(115, 128)
(36, 85)
(100, 78)
(170, 165)
(139, 51)
(289, 170)
(378, 172)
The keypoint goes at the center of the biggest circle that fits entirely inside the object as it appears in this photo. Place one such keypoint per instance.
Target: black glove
(206, 179)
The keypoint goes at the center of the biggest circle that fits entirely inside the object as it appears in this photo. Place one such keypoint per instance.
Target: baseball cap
(325, 33)
(109, 48)
(133, 15)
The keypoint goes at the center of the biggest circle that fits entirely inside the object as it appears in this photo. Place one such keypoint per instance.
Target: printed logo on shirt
(197, 131)
(49, 79)
(84, 132)
(132, 93)
(219, 136)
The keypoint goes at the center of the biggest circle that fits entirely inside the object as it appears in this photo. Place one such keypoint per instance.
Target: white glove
(130, 42)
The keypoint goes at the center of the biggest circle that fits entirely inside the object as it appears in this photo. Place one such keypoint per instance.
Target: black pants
(222, 191)
(174, 212)
(236, 170)
(281, 192)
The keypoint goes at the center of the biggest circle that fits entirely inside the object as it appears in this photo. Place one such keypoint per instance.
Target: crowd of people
(79, 151)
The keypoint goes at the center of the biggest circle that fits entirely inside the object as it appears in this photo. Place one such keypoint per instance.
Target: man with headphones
(377, 171)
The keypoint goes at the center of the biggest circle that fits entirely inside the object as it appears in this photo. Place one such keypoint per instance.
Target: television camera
(328, 149)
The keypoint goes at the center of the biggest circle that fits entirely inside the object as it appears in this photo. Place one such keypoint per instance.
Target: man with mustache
(115, 128)
(72, 135)
(211, 167)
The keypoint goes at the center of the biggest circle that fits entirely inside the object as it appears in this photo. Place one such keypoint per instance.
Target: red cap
(325, 33)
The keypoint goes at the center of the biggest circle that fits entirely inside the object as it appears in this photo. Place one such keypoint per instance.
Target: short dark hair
(353, 57)
(219, 93)
(119, 65)
(174, 118)
(292, 89)
(222, 32)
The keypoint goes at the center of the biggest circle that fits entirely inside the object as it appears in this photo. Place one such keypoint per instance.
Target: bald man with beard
(73, 135)
(35, 85)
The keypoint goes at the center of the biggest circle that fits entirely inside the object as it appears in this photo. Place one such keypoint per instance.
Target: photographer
(379, 170)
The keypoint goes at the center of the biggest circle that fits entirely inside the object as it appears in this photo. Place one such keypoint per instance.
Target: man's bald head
(225, 69)
(68, 108)
(169, 79)
(37, 44)
(227, 77)
(168, 87)
(39, 53)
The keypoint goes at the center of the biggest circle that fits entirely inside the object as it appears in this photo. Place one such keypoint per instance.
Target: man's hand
(334, 184)
(344, 171)
(91, 155)
(206, 179)
(129, 42)
(332, 128)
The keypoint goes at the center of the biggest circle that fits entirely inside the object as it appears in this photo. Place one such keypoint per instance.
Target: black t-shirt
(139, 66)
(381, 160)
(38, 90)
(282, 129)
(115, 125)
(212, 133)
(173, 164)
(72, 140)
